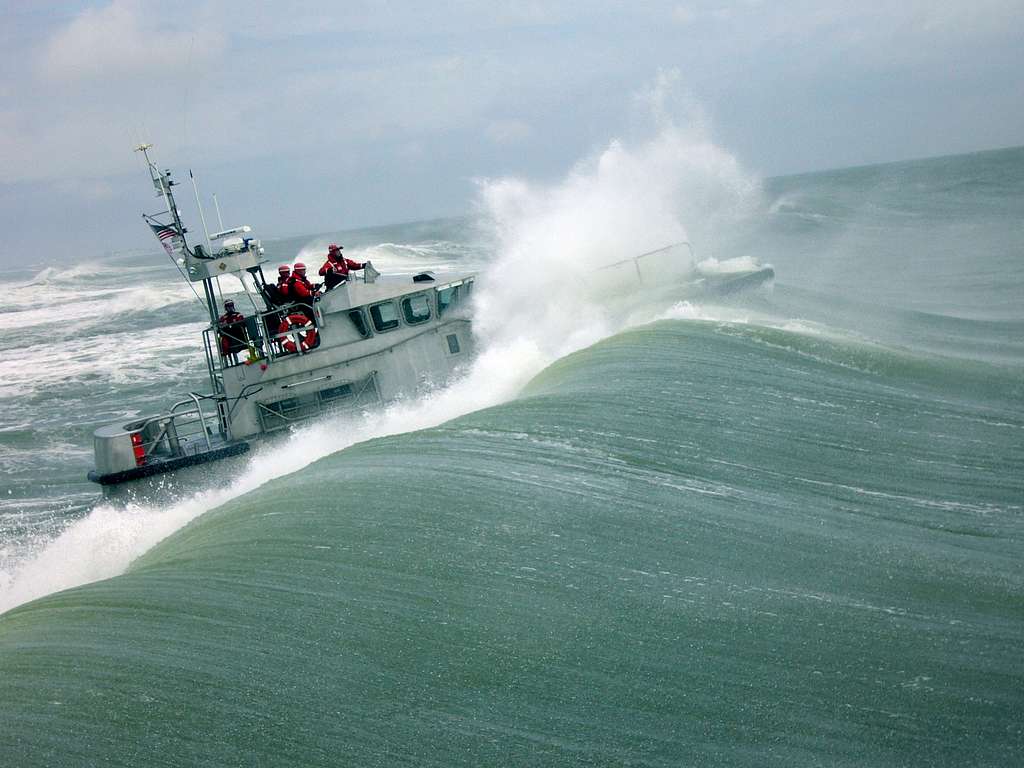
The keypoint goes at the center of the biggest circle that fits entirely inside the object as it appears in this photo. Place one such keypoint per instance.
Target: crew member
(276, 296)
(301, 291)
(335, 270)
(234, 336)
(283, 273)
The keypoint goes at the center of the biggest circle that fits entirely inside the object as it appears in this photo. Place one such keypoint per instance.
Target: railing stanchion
(202, 419)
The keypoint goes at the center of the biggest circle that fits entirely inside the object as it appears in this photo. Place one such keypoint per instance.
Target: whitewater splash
(534, 304)
(551, 240)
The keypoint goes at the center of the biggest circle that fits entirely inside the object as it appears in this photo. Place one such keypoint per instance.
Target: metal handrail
(182, 421)
(173, 418)
(636, 259)
(202, 418)
(266, 338)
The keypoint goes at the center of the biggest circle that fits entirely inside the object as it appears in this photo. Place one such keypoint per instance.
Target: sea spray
(551, 241)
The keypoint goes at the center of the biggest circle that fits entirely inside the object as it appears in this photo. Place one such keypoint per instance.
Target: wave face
(694, 542)
(650, 525)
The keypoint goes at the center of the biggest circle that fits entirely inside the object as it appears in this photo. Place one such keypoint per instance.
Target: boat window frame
(373, 319)
(456, 289)
(333, 394)
(405, 303)
(366, 331)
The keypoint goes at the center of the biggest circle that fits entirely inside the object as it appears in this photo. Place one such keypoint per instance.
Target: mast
(162, 182)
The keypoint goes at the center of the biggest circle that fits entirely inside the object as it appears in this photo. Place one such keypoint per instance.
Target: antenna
(163, 185)
(220, 221)
(209, 250)
(202, 216)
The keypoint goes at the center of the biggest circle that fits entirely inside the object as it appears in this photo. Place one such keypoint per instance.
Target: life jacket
(332, 276)
(299, 288)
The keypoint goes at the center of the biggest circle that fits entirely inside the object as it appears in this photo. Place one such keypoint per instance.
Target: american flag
(163, 231)
(166, 234)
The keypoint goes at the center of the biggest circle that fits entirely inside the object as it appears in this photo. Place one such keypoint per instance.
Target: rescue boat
(368, 340)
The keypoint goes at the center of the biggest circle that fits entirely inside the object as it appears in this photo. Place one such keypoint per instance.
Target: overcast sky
(311, 117)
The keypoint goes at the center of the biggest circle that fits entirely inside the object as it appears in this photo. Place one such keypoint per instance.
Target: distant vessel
(364, 342)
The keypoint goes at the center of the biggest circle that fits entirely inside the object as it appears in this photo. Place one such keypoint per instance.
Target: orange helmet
(299, 267)
(333, 247)
(284, 269)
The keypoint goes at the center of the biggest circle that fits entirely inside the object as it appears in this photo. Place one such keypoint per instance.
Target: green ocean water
(781, 530)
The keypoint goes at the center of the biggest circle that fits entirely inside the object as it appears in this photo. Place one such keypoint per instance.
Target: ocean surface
(650, 525)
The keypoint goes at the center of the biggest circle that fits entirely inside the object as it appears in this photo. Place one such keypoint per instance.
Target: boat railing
(636, 260)
(263, 336)
(194, 399)
(176, 432)
(346, 396)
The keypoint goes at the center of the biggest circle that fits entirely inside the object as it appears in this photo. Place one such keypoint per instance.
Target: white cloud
(120, 41)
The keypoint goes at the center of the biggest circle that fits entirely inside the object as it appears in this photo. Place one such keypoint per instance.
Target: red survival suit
(335, 270)
(300, 290)
(233, 334)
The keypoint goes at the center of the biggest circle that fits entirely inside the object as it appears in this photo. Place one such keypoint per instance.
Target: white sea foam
(85, 309)
(119, 357)
(538, 300)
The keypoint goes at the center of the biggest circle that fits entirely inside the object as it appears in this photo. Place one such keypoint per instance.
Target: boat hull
(159, 467)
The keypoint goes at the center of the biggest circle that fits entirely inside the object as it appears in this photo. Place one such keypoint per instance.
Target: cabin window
(446, 298)
(283, 406)
(359, 321)
(453, 343)
(384, 315)
(416, 309)
(333, 393)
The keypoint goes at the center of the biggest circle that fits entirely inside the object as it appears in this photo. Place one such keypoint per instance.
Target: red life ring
(296, 322)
